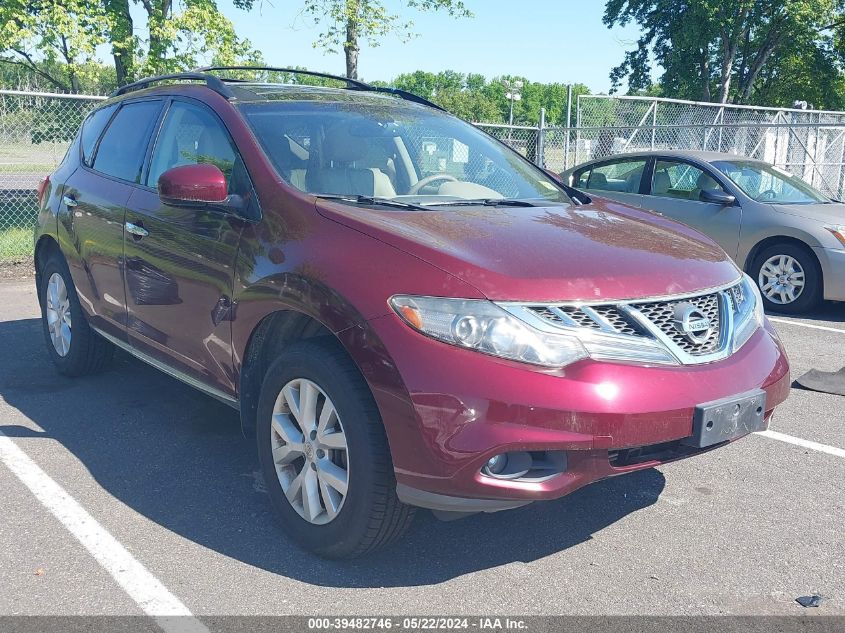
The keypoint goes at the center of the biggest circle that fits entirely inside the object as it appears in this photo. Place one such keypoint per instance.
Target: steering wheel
(415, 189)
(769, 194)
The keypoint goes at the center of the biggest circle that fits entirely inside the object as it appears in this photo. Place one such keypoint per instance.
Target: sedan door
(675, 191)
(180, 259)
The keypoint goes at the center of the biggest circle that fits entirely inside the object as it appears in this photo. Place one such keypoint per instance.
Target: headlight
(838, 232)
(484, 327)
(748, 311)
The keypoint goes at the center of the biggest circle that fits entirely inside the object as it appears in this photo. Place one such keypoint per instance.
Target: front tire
(324, 454)
(74, 347)
(789, 278)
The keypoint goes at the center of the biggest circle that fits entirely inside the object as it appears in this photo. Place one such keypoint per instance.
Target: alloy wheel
(58, 314)
(781, 279)
(310, 452)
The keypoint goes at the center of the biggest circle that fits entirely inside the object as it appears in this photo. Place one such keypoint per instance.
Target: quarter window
(124, 145)
(681, 181)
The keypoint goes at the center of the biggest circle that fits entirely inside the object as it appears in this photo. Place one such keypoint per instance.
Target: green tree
(345, 23)
(724, 50)
(185, 34)
(54, 39)
(57, 39)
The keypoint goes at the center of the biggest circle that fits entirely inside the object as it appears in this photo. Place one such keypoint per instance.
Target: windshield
(388, 149)
(766, 183)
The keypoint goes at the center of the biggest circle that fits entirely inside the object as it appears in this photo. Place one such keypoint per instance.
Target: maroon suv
(405, 312)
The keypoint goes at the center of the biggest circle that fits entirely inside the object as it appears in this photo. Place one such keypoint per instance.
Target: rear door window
(621, 176)
(92, 129)
(124, 145)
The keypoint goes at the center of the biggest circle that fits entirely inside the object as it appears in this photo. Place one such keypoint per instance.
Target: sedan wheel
(789, 278)
(781, 279)
(309, 450)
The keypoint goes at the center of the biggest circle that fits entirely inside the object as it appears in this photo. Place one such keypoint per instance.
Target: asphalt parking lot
(158, 478)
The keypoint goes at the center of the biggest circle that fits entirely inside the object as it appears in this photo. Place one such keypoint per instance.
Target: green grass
(15, 243)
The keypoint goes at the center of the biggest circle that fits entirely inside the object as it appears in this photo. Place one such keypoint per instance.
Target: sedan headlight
(748, 311)
(484, 327)
(838, 232)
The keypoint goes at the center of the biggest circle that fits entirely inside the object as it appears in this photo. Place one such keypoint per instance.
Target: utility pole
(514, 93)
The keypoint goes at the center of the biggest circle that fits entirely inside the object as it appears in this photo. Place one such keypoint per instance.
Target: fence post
(540, 158)
(568, 126)
(653, 124)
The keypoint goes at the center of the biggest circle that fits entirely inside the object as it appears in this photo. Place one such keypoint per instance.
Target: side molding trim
(170, 371)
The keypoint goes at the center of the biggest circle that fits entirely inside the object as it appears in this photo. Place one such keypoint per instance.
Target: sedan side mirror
(193, 185)
(717, 196)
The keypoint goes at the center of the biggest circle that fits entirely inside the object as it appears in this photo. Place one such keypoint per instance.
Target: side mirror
(193, 185)
(717, 196)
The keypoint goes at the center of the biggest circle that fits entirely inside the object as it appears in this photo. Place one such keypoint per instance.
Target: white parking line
(822, 448)
(145, 589)
(809, 325)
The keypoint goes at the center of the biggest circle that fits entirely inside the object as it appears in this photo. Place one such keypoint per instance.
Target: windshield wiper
(483, 202)
(373, 200)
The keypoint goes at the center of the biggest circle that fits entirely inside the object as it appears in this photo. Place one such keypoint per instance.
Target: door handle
(136, 230)
(69, 201)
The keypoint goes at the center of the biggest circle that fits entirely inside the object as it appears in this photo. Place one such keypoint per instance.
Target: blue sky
(545, 40)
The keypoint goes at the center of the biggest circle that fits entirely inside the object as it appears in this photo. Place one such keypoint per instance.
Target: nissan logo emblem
(692, 323)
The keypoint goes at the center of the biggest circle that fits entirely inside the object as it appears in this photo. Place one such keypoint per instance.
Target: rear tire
(73, 346)
(790, 264)
(368, 515)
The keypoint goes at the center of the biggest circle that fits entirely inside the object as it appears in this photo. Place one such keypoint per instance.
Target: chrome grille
(662, 315)
(617, 320)
(606, 317)
(692, 328)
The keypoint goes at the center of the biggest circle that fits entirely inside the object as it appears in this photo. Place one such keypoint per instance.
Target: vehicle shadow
(178, 458)
(830, 311)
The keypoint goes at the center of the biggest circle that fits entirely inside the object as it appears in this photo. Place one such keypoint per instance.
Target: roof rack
(351, 84)
(218, 84)
(215, 83)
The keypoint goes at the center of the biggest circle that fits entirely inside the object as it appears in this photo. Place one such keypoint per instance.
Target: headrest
(662, 183)
(341, 147)
(705, 181)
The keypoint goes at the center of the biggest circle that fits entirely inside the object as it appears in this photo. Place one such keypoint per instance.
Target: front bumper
(833, 271)
(464, 407)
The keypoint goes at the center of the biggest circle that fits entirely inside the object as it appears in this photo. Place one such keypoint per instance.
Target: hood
(601, 251)
(831, 213)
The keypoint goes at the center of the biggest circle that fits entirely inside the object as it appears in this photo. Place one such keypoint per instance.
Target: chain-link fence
(807, 143)
(35, 130)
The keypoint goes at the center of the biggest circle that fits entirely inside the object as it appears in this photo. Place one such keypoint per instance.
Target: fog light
(525, 466)
(496, 465)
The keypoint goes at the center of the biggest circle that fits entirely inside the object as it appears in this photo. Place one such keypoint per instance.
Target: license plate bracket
(727, 419)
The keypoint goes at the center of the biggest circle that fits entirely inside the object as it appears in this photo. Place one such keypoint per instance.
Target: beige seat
(661, 184)
(340, 173)
(704, 182)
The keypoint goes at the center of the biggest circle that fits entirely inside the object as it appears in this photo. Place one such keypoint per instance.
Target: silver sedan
(788, 236)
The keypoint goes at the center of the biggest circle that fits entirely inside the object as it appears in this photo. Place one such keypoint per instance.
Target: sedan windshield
(766, 183)
(386, 149)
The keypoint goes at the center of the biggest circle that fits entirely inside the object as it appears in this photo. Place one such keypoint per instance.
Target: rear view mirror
(193, 185)
(717, 196)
